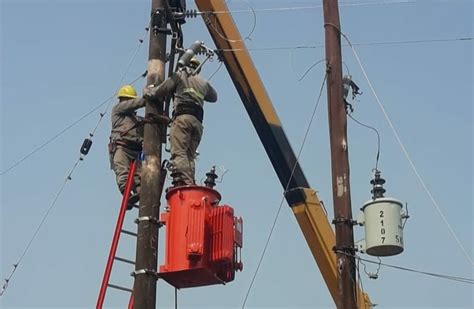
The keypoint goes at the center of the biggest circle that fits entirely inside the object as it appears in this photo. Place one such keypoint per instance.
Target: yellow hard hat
(194, 62)
(127, 91)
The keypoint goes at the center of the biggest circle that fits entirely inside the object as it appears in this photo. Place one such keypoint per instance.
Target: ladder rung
(119, 288)
(129, 233)
(124, 260)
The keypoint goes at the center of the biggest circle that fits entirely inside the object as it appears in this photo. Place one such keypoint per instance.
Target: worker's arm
(129, 105)
(165, 88)
(211, 94)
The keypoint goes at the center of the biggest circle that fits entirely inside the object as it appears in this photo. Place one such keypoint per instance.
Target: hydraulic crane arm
(303, 201)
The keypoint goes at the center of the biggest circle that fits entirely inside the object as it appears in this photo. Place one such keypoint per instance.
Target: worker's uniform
(126, 140)
(189, 93)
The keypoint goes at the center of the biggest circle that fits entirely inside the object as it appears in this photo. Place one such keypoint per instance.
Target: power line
(69, 176)
(47, 142)
(74, 123)
(412, 164)
(311, 7)
(374, 43)
(437, 275)
(57, 135)
(286, 189)
(377, 156)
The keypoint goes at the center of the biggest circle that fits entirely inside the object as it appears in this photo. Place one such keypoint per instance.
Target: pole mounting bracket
(144, 272)
(344, 221)
(149, 219)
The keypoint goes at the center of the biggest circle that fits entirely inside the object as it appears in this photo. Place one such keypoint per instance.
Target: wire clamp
(344, 221)
(144, 272)
(346, 250)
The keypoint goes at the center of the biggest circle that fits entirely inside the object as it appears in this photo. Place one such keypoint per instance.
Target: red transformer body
(203, 238)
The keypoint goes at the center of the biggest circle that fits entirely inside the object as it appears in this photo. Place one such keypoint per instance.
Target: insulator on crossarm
(191, 13)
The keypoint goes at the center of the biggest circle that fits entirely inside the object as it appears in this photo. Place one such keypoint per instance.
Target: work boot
(133, 200)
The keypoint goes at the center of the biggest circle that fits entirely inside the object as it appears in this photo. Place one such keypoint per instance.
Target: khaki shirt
(124, 117)
(186, 88)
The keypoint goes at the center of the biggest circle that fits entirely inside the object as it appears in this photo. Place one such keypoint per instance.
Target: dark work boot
(133, 200)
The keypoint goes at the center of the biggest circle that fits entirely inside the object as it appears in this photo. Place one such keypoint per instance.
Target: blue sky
(60, 59)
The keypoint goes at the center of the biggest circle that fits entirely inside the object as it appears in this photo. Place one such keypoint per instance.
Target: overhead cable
(74, 123)
(377, 156)
(312, 46)
(437, 275)
(286, 189)
(69, 176)
(402, 146)
(311, 7)
(247, 37)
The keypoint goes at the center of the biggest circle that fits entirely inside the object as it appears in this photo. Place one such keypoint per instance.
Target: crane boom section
(303, 201)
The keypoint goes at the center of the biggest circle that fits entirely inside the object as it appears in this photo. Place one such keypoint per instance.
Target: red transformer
(203, 238)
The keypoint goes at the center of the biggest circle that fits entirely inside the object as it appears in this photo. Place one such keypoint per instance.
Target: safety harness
(189, 109)
(135, 146)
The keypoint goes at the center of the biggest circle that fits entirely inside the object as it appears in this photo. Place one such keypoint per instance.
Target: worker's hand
(148, 91)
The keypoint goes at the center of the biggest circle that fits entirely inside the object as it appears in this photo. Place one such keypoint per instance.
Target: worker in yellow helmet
(189, 91)
(126, 138)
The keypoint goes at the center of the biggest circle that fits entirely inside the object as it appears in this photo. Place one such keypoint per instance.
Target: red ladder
(113, 248)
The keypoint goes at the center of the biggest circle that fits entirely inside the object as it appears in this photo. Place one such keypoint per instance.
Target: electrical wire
(412, 164)
(437, 275)
(74, 123)
(248, 37)
(54, 137)
(377, 157)
(45, 216)
(69, 176)
(47, 142)
(286, 189)
(375, 43)
(310, 68)
(305, 8)
(215, 72)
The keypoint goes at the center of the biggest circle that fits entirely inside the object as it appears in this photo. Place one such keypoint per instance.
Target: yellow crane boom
(302, 200)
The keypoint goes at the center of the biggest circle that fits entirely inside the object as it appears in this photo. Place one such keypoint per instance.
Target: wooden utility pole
(347, 288)
(144, 288)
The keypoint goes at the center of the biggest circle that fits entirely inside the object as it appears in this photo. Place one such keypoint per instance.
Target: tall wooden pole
(144, 289)
(339, 160)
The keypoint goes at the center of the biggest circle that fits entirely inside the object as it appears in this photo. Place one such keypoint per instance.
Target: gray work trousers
(121, 160)
(185, 136)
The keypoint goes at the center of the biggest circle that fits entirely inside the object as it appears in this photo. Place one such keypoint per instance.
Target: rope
(420, 179)
(286, 189)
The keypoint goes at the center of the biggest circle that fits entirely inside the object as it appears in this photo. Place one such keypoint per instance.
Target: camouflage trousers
(185, 136)
(120, 163)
